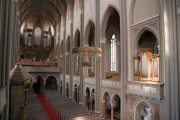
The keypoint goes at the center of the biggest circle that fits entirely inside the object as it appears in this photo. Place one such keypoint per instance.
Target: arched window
(113, 55)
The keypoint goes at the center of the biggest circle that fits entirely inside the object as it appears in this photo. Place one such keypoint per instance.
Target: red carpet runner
(51, 112)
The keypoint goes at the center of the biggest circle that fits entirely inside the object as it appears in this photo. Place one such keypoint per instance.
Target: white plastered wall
(128, 9)
(144, 9)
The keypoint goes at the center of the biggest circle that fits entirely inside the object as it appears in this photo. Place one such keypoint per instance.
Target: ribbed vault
(52, 10)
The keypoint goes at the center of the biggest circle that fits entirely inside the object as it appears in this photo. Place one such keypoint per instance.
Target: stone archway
(116, 110)
(148, 40)
(87, 98)
(106, 106)
(75, 93)
(51, 83)
(67, 89)
(111, 32)
(93, 100)
(38, 87)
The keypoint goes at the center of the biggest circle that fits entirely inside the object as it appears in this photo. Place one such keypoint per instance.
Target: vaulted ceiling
(52, 10)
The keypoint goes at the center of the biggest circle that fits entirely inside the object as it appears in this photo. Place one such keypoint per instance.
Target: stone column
(169, 61)
(15, 35)
(7, 36)
(178, 38)
(103, 42)
(112, 112)
(71, 61)
(98, 64)
(124, 57)
(81, 99)
(2, 13)
(64, 62)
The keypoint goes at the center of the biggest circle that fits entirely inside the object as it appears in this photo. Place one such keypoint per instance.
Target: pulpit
(19, 77)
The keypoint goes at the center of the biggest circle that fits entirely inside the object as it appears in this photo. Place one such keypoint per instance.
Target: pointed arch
(116, 101)
(109, 11)
(90, 33)
(104, 95)
(140, 34)
(39, 85)
(110, 30)
(87, 97)
(106, 105)
(61, 48)
(77, 38)
(51, 75)
(68, 44)
(51, 82)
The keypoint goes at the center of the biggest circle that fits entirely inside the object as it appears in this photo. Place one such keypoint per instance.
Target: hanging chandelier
(85, 53)
(86, 64)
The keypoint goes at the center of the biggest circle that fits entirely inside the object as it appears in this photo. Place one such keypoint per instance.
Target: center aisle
(51, 112)
(68, 109)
